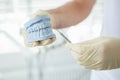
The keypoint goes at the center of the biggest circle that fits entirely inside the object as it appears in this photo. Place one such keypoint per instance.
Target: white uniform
(111, 28)
(111, 23)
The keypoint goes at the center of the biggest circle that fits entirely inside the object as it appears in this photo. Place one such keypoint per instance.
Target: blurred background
(52, 62)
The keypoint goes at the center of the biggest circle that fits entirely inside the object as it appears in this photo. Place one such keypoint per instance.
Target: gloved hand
(42, 42)
(101, 53)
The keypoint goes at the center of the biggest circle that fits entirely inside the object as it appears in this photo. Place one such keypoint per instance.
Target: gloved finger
(81, 53)
(47, 41)
(93, 58)
(94, 67)
(77, 47)
(88, 64)
(32, 44)
(87, 57)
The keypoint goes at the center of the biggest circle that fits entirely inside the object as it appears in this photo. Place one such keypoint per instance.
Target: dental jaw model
(38, 32)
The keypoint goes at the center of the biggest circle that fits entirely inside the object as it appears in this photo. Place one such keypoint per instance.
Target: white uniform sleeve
(111, 25)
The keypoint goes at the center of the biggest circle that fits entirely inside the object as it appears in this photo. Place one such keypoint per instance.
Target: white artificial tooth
(32, 35)
(47, 31)
(40, 32)
(35, 33)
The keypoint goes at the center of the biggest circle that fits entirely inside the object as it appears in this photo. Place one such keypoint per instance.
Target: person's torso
(111, 23)
(111, 28)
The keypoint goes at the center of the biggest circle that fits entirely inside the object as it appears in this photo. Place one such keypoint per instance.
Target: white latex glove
(43, 42)
(102, 53)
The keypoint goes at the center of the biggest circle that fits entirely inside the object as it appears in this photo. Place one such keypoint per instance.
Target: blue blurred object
(39, 29)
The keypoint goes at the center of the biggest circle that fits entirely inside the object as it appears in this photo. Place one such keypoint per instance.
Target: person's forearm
(71, 13)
